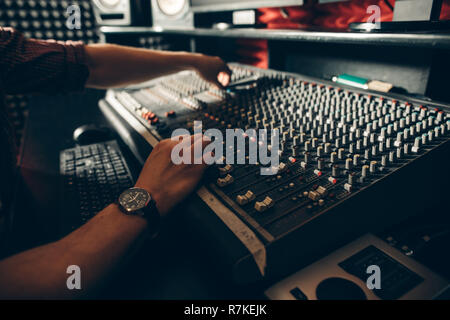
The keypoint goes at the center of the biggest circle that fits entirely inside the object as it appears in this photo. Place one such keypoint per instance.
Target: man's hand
(168, 183)
(212, 69)
(118, 66)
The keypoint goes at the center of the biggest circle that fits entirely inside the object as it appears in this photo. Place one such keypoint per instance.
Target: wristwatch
(139, 202)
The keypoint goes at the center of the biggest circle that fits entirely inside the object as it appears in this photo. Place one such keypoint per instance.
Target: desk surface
(174, 266)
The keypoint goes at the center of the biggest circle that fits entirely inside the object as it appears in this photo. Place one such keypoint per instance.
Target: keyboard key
(95, 176)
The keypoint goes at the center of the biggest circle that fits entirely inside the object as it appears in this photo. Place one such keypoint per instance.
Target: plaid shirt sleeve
(38, 66)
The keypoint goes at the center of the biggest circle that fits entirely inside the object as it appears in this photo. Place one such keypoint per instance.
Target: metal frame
(246, 4)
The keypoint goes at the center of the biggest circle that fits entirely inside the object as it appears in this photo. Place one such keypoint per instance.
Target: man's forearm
(116, 66)
(98, 248)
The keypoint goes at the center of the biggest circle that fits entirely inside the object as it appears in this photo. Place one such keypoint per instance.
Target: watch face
(134, 199)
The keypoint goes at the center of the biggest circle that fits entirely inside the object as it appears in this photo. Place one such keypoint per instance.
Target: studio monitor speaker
(122, 12)
(172, 14)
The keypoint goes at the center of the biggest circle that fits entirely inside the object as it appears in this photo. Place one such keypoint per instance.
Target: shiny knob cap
(373, 166)
(356, 160)
(320, 163)
(364, 171)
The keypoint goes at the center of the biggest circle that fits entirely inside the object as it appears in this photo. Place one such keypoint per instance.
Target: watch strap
(149, 213)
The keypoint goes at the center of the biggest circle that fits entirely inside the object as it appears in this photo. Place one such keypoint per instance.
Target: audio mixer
(351, 161)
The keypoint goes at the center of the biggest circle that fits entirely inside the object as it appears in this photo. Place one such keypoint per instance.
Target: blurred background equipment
(234, 13)
(409, 15)
(47, 19)
(233, 5)
(113, 12)
(123, 12)
(172, 14)
(43, 20)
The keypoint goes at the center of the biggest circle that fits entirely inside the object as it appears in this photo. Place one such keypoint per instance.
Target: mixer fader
(351, 161)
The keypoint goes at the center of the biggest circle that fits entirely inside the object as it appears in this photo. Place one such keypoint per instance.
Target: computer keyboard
(93, 177)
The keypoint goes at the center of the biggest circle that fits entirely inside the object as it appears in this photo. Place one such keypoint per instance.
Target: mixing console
(347, 156)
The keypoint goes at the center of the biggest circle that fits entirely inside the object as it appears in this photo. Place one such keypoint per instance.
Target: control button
(374, 151)
(388, 143)
(322, 190)
(307, 157)
(341, 153)
(381, 147)
(327, 148)
(338, 142)
(367, 154)
(373, 166)
(320, 163)
(269, 202)
(348, 164)
(335, 171)
(437, 132)
(314, 195)
(333, 157)
(351, 178)
(250, 195)
(399, 153)
(351, 148)
(222, 182)
(383, 160)
(399, 139)
(282, 167)
(225, 170)
(364, 171)
(358, 145)
(317, 194)
(319, 151)
(242, 200)
(392, 156)
(406, 148)
(430, 136)
(262, 206)
(307, 145)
